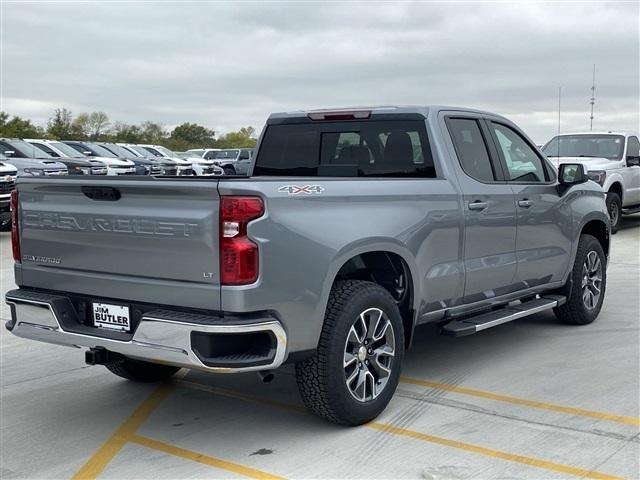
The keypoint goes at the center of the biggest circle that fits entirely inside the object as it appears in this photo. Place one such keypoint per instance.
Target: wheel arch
(616, 187)
(600, 230)
(384, 264)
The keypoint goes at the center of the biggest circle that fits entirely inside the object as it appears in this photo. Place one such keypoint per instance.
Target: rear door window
(471, 148)
(372, 148)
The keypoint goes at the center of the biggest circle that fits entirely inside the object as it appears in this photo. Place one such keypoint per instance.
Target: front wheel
(614, 207)
(355, 371)
(589, 282)
(228, 170)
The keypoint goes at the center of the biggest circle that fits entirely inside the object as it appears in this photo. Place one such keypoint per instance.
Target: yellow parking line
(110, 448)
(201, 458)
(522, 401)
(534, 462)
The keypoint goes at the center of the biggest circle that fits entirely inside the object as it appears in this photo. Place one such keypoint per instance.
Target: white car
(199, 166)
(8, 174)
(57, 149)
(115, 165)
(234, 161)
(611, 159)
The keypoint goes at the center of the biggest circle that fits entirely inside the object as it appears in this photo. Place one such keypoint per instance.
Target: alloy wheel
(368, 354)
(591, 280)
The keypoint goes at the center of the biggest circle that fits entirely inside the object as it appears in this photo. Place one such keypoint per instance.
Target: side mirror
(8, 153)
(632, 161)
(571, 174)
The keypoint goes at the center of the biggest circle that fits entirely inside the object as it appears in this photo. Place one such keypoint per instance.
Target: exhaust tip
(266, 376)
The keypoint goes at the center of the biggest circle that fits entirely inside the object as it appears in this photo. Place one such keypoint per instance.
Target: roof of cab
(380, 110)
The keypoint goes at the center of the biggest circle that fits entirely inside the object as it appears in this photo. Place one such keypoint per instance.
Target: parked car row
(36, 157)
(234, 161)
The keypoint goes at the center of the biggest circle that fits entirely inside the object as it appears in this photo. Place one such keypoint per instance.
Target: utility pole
(593, 96)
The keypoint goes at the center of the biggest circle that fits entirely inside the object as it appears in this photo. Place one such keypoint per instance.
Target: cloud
(227, 65)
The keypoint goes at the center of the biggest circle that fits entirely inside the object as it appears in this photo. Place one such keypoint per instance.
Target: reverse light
(239, 256)
(597, 176)
(15, 235)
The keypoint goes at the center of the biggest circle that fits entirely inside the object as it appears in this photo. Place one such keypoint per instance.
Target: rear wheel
(140, 371)
(356, 369)
(614, 206)
(229, 170)
(589, 281)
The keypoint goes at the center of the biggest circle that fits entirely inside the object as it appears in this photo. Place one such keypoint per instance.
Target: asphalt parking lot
(529, 399)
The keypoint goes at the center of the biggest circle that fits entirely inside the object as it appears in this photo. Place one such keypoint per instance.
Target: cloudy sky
(227, 65)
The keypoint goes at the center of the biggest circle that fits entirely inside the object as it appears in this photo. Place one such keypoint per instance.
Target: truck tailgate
(148, 240)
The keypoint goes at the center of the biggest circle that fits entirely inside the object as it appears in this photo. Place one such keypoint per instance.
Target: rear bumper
(209, 343)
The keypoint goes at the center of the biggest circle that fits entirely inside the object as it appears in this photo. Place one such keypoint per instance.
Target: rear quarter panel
(305, 239)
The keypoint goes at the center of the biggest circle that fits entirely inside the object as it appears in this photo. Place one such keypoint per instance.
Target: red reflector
(15, 236)
(340, 115)
(239, 256)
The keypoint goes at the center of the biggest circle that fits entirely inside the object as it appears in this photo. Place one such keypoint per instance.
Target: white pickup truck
(612, 159)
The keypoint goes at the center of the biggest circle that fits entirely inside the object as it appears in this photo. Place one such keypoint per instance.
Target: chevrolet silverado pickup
(353, 228)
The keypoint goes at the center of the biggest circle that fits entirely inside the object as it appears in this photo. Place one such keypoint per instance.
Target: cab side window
(471, 148)
(45, 148)
(633, 147)
(522, 162)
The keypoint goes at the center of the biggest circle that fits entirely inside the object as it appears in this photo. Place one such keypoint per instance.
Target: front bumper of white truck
(214, 343)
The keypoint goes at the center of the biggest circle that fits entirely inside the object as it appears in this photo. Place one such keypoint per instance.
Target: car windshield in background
(67, 150)
(100, 151)
(164, 150)
(227, 154)
(118, 150)
(31, 151)
(392, 148)
(141, 151)
(596, 146)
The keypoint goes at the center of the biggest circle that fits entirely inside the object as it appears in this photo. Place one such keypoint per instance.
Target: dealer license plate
(112, 317)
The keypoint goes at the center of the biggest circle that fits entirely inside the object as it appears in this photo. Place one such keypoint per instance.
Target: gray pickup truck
(353, 228)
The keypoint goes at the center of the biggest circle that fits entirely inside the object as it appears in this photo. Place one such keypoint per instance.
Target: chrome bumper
(156, 339)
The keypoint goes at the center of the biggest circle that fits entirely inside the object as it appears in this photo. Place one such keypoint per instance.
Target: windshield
(597, 146)
(118, 150)
(66, 150)
(100, 151)
(26, 149)
(227, 154)
(140, 151)
(166, 151)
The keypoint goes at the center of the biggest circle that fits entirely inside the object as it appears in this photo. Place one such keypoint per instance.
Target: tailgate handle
(104, 194)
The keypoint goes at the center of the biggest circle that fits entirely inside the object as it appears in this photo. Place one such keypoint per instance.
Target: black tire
(614, 207)
(322, 379)
(140, 371)
(229, 170)
(574, 311)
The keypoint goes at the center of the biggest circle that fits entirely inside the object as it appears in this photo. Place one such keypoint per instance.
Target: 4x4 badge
(298, 189)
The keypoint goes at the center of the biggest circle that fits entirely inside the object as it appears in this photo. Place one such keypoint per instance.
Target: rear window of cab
(346, 149)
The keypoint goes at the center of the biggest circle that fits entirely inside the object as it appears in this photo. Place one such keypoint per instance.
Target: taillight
(239, 256)
(15, 236)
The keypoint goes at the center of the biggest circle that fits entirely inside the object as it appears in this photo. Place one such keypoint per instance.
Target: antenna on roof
(559, 104)
(593, 97)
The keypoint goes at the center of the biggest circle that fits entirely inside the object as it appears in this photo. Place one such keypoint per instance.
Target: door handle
(478, 205)
(525, 203)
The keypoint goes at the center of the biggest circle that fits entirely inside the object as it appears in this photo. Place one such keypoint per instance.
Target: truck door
(632, 184)
(543, 246)
(489, 211)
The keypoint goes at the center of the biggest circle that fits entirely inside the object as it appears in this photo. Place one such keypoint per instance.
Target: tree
(243, 138)
(98, 123)
(194, 134)
(123, 132)
(18, 127)
(151, 132)
(60, 125)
